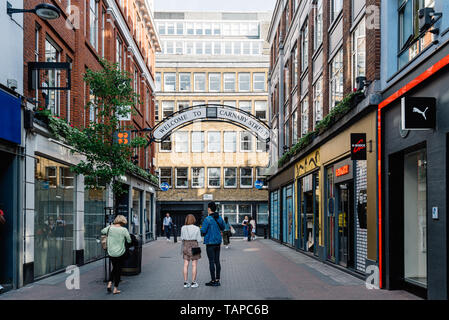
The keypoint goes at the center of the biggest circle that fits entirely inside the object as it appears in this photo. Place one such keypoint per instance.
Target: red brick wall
(75, 44)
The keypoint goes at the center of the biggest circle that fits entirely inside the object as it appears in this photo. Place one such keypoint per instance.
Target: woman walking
(190, 236)
(252, 223)
(226, 233)
(245, 227)
(116, 249)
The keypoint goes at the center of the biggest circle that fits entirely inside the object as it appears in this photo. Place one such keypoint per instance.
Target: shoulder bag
(104, 240)
(232, 230)
(195, 250)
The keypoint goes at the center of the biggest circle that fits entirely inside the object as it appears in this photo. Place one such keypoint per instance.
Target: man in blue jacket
(211, 229)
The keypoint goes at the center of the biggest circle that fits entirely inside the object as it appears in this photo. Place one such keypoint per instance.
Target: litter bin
(132, 265)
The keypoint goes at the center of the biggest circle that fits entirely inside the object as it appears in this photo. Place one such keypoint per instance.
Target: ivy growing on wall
(328, 121)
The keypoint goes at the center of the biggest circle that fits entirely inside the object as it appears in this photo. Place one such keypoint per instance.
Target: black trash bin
(132, 264)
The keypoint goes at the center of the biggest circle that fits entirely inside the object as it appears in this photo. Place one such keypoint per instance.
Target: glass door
(316, 211)
(345, 225)
(415, 222)
(330, 216)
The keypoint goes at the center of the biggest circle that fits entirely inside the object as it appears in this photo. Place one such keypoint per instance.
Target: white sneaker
(227, 247)
(187, 285)
(194, 284)
(168, 239)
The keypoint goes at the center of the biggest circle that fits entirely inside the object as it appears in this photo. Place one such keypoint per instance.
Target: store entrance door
(346, 224)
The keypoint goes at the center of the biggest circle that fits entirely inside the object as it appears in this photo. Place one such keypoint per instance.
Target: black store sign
(418, 113)
(358, 146)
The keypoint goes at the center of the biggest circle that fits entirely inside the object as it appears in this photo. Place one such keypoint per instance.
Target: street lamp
(43, 10)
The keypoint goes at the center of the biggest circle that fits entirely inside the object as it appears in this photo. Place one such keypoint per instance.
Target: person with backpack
(116, 235)
(211, 229)
(226, 233)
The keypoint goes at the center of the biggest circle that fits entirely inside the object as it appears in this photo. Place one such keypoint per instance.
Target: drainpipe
(281, 98)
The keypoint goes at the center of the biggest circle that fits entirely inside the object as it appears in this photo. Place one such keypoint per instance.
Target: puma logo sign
(423, 113)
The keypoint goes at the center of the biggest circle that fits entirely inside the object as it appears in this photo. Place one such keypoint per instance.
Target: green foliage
(336, 114)
(105, 160)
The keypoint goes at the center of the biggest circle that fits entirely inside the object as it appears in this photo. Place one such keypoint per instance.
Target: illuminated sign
(358, 146)
(342, 171)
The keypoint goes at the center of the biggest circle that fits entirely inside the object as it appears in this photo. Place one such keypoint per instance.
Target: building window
(304, 47)
(179, 28)
(244, 81)
(261, 177)
(184, 82)
(208, 48)
(228, 47)
(182, 105)
(305, 116)
(156, 111)
(246, 141)
(199, 47)
(230, 211)
(165, 176)
(181, 178)
(198, 103)
(246, 177)
(336, 80)
(182, 141)
(158, 81)
(294, 72)
(217, 30)
(166, 144)
(262, 213)
(230, 141)
(214, 82)
(294, 127)
(237, 48)
(103, 30)
(197, 177)
(213, 141)
(168, 107)
(287, 133)
(170, 28)
(170, 81)
(200, 81)
(318, 101)
(229, 81)
(189, 28)
(198, 29)
(229, 103)
(245, 106)
(336, 6)
(261, 109)
(197, 141)
(259, 81)
(118, 53)
(189, 48)
(217, 48)
(358, 52)
(93, 23)
(246, 48)
(261, 145)
(230, 177)
(51, 78)
(179, 47)
(244, 210)
(318, 30)
(213, 177)
(161, 27)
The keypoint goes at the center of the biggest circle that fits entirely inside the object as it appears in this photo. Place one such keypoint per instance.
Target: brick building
(216, 58)
(321, 201)
(62, 219)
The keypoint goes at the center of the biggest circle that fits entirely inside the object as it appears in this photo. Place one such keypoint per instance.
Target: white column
(29, 206)
(79, 213)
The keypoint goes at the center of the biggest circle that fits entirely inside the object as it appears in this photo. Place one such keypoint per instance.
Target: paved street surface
(260, 269)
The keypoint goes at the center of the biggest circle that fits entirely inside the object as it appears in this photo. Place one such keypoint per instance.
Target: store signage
(199, 113)
(208, 196)
(358, 146)
(165, 186)
(309, 163)
(258, 184)
(418, 113)
(342, 171)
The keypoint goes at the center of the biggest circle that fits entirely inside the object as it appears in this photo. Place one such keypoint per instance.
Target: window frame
(227, 177)
(241, 176)
(183, 177)
(200, 186)
(226, 133)
(208, 178)
(219, 141)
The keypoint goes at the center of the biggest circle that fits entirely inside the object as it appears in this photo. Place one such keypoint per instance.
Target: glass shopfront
(94, 221)
(148, 214)
(308, 212)
(415, 222)
(136, 212)
(288, 224)
(330, 215)
(54, 217)
(274, 215)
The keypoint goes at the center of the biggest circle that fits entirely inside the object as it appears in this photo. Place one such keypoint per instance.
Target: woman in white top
(190, 236)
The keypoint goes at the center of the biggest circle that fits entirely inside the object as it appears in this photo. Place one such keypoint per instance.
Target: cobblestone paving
(260, 269)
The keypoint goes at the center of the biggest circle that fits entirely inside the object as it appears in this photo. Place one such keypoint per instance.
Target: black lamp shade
(47, 11)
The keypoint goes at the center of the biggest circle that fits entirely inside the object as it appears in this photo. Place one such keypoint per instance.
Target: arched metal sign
(211, 112)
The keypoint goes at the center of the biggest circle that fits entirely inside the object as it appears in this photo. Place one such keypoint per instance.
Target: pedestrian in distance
(191, 237)
(245, 227)
(167, 224)
(212, 228)
(117, 234)
(226, 233)
(252, 225)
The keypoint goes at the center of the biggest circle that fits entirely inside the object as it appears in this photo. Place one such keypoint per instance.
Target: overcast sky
(214, 5)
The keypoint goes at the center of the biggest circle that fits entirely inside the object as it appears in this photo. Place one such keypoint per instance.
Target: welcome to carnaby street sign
(211, 113)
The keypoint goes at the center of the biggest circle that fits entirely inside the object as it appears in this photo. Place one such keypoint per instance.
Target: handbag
(195, 250)
(232, 230)
(104, 240)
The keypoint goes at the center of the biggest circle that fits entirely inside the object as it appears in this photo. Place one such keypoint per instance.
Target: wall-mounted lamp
(427, 20)
(43, 10)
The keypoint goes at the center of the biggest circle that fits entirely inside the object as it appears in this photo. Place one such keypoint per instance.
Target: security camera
(12, 83)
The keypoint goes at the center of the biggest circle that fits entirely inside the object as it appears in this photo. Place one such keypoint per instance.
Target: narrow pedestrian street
(258, 270)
